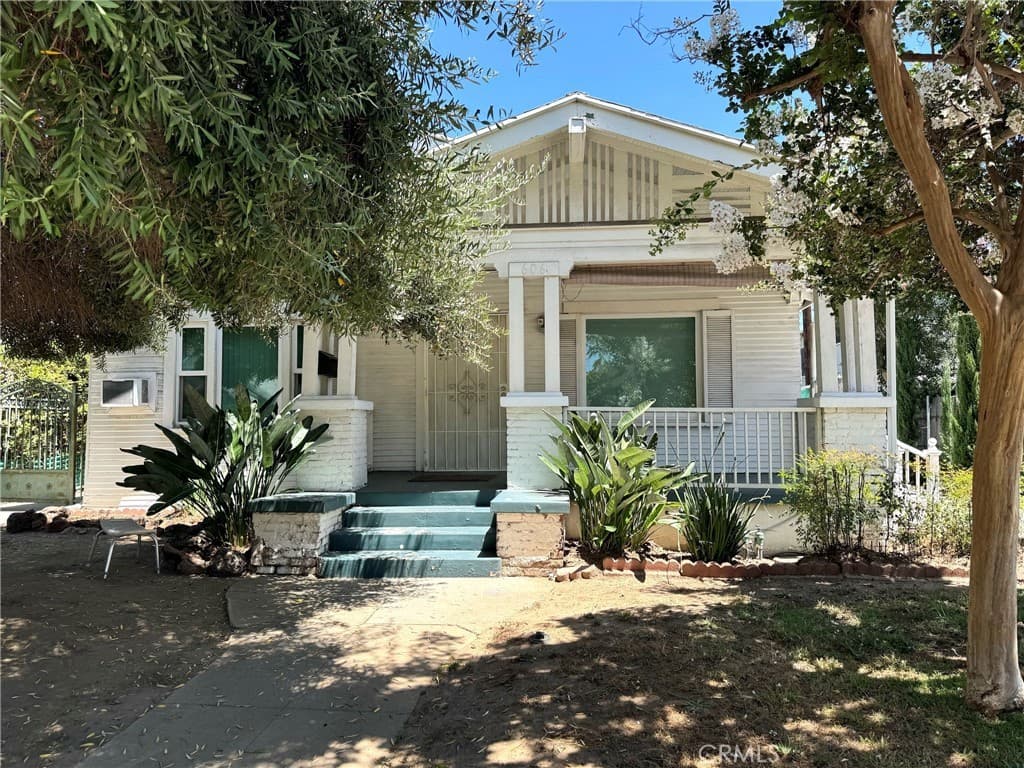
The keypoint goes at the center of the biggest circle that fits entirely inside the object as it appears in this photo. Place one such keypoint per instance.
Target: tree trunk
(994, 681)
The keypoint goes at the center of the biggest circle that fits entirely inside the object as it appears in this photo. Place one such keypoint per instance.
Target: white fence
(744, 446)
(916, 470)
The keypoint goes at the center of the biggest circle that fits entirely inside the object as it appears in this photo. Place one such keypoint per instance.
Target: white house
(744, 380)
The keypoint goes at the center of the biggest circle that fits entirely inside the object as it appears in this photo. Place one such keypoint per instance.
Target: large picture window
(629, 360)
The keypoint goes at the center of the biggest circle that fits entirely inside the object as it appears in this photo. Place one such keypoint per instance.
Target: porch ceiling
(695, 273)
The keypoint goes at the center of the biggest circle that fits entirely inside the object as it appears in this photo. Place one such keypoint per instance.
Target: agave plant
(713, 519)
(224, 460)
(612, 477)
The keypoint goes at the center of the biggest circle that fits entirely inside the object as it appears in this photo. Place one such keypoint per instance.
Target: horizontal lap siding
(386, 376)
(108, 430)
(765, 333)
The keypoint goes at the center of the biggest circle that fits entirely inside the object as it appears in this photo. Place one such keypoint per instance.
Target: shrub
(612, 477)
(834, 495)
(713, 519)
(225, 460)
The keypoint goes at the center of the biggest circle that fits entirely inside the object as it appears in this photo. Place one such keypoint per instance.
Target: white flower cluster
(782, 273)
(953, 99)
(785, 206)
(1015, 121)
(735, 254)
(846, 218)
(722, 26)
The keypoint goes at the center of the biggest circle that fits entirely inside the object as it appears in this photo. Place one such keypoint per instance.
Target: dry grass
(796, 672)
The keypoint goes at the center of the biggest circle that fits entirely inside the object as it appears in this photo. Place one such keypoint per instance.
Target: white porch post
(552, 371)
(516, 336)
(312, 340)
(848, 344)
(864, 351)
(825, 345)
(346, 366)
(890, 370)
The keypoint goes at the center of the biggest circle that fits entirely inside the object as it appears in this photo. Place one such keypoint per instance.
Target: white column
(825, 345)
(848, 345)
(864, 352)
(890, 369)
(311, 344)
(552, 306)
(346, 366)
(516, 337)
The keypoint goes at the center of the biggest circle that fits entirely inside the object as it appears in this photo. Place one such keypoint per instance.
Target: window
(250, 359)
(629, 360)
(193, 367)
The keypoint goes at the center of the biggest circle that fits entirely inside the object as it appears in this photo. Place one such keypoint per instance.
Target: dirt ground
(83, 657)
(787, 671)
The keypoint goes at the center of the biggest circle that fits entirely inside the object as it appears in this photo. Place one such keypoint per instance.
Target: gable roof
(612, 118)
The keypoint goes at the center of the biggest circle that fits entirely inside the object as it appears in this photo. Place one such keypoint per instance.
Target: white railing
(917, 470)
(744, 446)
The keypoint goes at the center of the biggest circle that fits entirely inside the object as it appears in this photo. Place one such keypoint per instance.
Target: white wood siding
(765, 332)
(386, 376)
(108, 430)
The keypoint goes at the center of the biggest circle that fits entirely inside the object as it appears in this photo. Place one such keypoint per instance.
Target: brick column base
(339, 463)
(529, 433)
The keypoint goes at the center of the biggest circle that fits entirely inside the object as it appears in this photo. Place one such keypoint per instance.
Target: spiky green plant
(713, 518)
(612, 477)
(224, 460)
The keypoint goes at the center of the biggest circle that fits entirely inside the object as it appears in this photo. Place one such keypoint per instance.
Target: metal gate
(465, 420)
(42, 441)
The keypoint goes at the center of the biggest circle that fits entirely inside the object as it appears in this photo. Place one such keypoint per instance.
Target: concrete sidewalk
(318, 673)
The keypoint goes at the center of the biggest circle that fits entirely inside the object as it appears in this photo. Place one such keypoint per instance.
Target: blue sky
(602, 56)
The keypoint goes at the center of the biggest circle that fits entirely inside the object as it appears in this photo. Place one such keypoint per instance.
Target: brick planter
(750, 570)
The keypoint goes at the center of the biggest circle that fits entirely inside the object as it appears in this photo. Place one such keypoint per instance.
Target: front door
(465, 420)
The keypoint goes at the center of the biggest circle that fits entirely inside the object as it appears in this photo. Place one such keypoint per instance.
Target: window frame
(213, 365)
(581, 350)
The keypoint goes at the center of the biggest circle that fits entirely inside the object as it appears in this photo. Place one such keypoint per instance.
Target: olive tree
(257, 160)
(897, 131)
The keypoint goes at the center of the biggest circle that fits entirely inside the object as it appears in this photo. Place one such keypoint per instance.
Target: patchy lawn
(791, 671)
(82, 657)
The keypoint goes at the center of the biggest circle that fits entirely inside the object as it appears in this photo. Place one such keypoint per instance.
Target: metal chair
(122, 529)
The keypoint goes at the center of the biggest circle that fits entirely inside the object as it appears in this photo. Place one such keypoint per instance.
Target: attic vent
(677, 171)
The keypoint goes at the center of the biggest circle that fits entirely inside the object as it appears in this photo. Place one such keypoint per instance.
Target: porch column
(864, 350)
(312, 340)
(825, 346)
(552, 370)
(890, 370)
(516, 336)
(346, 366)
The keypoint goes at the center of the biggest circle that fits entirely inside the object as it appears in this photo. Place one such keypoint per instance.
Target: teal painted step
(469, 498)
(397, 564)
(467, 538)
(416, 517)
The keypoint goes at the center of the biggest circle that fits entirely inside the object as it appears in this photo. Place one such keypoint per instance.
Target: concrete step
(467, 538)
(473, 498)
(403, 564)
(417, 517)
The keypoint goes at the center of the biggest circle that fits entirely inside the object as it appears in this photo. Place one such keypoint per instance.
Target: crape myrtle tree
(897, 129)
(257, 160)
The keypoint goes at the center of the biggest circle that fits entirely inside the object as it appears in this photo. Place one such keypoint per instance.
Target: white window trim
(581, 348)
(212, 356)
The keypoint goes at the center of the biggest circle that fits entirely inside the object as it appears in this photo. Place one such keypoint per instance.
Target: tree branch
(958, 57)
(964, 214)
(903, 114)
(788, 85)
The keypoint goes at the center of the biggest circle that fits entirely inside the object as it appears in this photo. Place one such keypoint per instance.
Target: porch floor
(411, 482)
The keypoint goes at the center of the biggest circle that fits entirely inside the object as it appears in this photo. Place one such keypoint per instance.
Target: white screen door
(465, 420)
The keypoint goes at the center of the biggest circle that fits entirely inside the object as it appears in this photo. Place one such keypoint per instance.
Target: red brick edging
(701, 569)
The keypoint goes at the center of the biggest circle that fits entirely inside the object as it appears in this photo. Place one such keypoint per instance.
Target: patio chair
(124, 529)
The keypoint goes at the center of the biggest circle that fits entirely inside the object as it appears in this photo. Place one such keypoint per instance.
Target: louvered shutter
(567, 357)
(718, 359)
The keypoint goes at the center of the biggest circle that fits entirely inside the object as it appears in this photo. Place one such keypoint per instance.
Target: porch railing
(743, 446)
(916, 470)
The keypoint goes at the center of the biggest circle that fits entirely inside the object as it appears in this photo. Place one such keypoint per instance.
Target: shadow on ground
(779, 671)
